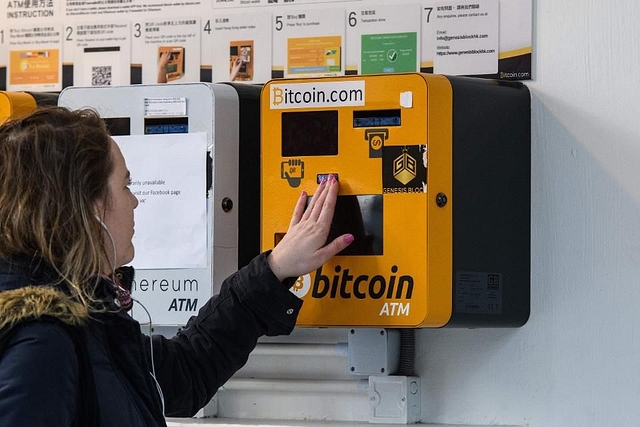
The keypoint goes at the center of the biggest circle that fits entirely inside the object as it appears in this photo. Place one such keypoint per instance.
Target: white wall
(577, 361)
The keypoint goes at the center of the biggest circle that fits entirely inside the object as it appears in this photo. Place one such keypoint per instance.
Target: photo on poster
(388, 53)
(238, 47)
(99, 66)
(309, 43)
(101, 54)
(314, 55)
(173, 58)
(34, 57)
(171, 51)
(383, 38)
(241, 60)
(34, 68)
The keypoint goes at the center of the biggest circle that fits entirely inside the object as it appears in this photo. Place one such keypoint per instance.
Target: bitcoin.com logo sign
(319, 94)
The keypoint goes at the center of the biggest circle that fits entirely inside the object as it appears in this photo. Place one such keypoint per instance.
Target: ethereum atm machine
(434, 176)
(172, 116)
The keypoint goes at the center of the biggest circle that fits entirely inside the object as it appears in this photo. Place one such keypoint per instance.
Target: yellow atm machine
(435, 185)
(18, 104)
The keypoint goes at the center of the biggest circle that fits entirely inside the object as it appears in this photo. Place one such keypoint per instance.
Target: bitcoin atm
(435, 186)
(173, 291)
(19, 104)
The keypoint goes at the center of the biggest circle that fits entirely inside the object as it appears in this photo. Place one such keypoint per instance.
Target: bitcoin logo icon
(302, 286)
(276, 96)
(298, 285)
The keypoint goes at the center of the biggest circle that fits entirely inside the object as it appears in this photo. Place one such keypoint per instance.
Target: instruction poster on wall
(171, 52)
(384, 39)
(309, 43)
(240, 47)
(241, 39)
(225, 4)
(514, 38)
(102, 54)
(168, 178)
(466, 37)
(34, 58)
(120, 7)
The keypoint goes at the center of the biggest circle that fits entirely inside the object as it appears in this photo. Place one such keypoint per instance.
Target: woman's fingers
(315, 198)
(325, 215)
(334, 247)
(298, 211)
(320, 198)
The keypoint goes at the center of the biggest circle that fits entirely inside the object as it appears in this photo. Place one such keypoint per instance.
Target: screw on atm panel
(227, 204)
(441, 200)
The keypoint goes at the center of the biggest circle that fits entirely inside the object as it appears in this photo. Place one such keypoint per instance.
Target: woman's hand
(235, 69)
(303, 248)
(163, 61)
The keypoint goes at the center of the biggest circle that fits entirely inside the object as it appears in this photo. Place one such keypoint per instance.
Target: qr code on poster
(101, 75)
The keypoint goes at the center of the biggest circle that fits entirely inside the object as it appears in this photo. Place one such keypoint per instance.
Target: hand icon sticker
(293, 171)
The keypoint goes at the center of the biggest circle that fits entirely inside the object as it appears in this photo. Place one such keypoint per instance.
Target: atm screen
(362, 217)
(376, 118)
(118, 125)
(310, 133)
(161, 125)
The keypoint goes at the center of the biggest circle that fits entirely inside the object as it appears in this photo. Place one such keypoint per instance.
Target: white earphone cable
(153, 366)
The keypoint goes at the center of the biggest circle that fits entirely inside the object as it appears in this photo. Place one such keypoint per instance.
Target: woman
(74, 356)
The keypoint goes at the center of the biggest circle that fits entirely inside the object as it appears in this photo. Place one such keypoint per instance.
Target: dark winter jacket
(39, 370)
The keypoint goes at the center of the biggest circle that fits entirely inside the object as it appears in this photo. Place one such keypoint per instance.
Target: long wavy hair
(54, 166)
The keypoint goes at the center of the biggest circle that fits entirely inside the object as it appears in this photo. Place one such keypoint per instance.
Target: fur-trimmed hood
(32, 302)
(26, 293)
